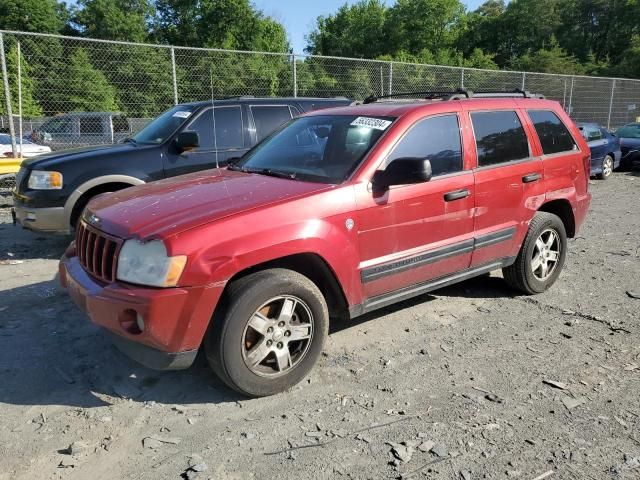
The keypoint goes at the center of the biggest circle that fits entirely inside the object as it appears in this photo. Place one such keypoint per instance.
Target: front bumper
(175, 319)
(52, 219)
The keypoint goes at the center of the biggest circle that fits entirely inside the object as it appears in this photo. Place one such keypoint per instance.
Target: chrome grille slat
(97, 252)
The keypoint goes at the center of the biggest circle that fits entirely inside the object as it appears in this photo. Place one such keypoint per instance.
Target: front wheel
(269, 332)
(607, 167)
(541, 256)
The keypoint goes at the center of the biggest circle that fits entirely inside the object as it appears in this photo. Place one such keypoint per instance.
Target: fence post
(462, 78)
(295, 76)
(20, 96)
(613, 87)
(570, 111)
(564, 95)
(381, 80)
(390, 78)
(7, 97)
(175, 77)
(524, 77)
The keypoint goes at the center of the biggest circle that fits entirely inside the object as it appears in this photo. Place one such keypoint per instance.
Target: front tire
(541, 257)
(607, 167)
(268, 333)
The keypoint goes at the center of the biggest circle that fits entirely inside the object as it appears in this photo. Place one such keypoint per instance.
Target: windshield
(323, 148)
(629, 131)
(158, 130)
(6, 140)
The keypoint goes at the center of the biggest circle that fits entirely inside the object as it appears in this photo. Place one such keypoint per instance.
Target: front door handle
(532, 177)
(456, 195)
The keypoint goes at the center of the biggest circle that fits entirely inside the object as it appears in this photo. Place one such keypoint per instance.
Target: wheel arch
(316, 269)
(94, 187)
(562, 209)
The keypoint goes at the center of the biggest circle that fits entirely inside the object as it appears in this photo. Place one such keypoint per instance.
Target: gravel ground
(470, 382)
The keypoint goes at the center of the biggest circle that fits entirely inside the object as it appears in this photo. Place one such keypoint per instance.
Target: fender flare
(94, 182)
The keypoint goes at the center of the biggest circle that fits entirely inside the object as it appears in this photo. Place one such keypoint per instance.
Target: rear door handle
(456, 195)
(532, 177)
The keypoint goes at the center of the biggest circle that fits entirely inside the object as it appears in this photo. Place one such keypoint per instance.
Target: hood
(58, 158)
(177, 204)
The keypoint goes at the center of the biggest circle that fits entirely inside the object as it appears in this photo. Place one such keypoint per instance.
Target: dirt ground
(471, 382)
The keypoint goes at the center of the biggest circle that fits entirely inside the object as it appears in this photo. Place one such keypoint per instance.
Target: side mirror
(403, 171)
(187, 140)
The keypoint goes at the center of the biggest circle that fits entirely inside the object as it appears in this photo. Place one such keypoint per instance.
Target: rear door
(414, 233)
(508, 183)
(229, 140)
(267, 118)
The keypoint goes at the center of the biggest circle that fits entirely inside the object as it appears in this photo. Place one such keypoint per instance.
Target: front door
(414, 233)
(214, 149)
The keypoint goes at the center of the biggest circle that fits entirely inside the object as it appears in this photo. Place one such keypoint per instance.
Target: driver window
(434, 138)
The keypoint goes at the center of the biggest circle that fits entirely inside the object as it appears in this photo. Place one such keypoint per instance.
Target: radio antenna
(213, 114)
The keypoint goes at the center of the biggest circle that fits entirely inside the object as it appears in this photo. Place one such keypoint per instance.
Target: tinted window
(552, 133)
(499, 137)
(90, 125)
(57, 125)
(269, 117)
(158, 130)
(120, 124)
(629, 131)
(228, 128)
(436, 138)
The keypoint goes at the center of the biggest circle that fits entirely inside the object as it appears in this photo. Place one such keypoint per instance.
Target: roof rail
(458, 94)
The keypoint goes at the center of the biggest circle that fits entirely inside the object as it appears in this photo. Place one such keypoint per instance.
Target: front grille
(97, 252)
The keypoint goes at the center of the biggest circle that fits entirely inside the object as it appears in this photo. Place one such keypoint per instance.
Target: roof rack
(458, 94)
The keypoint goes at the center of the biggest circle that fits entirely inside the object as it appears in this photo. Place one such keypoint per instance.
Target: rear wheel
(541, 256)
(269, 333)
(607, 167)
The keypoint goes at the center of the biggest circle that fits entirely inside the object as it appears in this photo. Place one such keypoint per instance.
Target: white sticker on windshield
(182, 114)
(369, 122)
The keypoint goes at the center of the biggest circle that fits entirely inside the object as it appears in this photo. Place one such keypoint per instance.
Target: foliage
(30, 107)
(89, 90)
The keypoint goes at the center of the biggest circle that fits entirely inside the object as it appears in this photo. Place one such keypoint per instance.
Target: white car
(29, 149)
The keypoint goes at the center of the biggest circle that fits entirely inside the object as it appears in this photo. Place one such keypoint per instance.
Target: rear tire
(541, 257)
(607, 167)
(268, 332)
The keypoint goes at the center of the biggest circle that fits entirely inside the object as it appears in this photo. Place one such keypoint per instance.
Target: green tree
(44, 16)
(357, 30)
(87, 88)
(231, 24)
(30, 107)
(126, 20)
(419, 25)
(552, 59)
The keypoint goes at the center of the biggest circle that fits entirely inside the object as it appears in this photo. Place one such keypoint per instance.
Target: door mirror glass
(187, 140)
(403, 171)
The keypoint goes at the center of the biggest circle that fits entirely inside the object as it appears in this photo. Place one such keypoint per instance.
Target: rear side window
(269, 117)
(120, 124)
(228, 128)
(499, 136)
(435, 138)
(553, 134)
(90, 125)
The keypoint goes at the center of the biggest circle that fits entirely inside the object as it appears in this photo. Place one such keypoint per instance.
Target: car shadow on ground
(50, 354)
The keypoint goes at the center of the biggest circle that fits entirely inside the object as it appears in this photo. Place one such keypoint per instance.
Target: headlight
(148, 264)
(41, 180)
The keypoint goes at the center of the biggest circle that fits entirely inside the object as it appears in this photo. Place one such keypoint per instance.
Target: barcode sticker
(369, 122)
(182, 114)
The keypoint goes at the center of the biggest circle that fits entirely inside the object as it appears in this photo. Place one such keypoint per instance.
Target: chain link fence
(50, 76)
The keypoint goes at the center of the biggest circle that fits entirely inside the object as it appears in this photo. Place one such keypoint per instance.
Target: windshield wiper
(263, 171)
(129, 140)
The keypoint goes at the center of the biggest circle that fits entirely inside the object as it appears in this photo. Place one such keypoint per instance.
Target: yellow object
(175, 270)
(9, 165)
(56, 179)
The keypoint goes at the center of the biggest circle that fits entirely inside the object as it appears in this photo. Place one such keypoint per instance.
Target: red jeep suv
(337, 213)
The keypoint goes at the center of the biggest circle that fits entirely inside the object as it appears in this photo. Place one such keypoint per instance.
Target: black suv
(53, 189)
